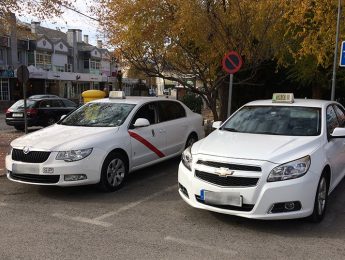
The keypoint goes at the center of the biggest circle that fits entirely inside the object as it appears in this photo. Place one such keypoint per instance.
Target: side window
(170, 110)
(56, 103)
(332, 121)
(68, 103)
(44, 104)
(340, 115)
(147, 111)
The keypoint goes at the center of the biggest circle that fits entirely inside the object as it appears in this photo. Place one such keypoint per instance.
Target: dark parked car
(40, 111)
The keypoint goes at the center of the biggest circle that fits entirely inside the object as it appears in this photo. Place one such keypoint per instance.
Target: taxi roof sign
(117, 94)
(282, 98)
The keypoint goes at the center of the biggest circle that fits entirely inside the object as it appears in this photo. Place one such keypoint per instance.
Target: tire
(50, 121)
(19, 127)
(321, 200)
(114, 172)
(192, 138)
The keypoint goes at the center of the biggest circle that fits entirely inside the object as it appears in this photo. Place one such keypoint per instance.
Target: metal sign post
(232, 63)
(230, 93)
(23, 77)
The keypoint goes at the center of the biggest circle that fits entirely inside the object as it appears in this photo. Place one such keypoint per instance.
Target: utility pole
(336, 52)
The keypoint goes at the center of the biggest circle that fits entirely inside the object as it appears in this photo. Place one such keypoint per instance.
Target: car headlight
(290, 170)
(73, 155)
(187, 158)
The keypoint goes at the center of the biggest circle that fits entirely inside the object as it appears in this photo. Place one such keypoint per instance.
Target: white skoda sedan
(103, 141)
(269, 160)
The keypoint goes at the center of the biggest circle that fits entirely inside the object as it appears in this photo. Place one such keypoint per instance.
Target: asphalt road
(148, 220)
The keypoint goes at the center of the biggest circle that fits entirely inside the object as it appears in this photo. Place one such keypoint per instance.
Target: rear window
(68, 103)
(20, 104)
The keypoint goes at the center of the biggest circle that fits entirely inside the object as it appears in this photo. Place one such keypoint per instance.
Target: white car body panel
(267, 152)
(102, 140)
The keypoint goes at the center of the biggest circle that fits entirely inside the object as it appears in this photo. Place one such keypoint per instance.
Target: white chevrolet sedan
(104, 140)
(269, 160)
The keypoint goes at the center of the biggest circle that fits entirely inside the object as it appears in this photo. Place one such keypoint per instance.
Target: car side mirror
(338, 132)
(62, 117)
(141, 122)
(217, 124)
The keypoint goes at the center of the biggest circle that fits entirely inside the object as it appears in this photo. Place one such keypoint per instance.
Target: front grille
(229, 181)
(34, 178)
(245, 207)
(238, 167)
(31, 157)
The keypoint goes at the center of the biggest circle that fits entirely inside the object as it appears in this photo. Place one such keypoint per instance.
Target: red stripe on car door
(146, 143)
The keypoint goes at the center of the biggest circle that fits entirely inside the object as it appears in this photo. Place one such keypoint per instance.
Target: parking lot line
(134, 204)
(98, 220)
(83, 220)
(200, 245)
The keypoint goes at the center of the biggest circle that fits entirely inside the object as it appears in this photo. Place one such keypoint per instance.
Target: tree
(177, 39)
(307, 40)
(39, 8)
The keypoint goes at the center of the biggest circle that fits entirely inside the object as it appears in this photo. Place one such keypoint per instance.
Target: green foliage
(193, 102)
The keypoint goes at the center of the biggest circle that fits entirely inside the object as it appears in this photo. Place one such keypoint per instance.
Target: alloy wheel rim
(321, 197)
(115, 172)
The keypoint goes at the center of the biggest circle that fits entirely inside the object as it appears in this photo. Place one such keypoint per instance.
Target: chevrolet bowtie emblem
(224, 172)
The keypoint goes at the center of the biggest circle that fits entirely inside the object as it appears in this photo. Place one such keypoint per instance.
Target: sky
(72, 20)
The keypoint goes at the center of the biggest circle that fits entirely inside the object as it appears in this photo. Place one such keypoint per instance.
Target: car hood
(272, 148)
(60, 137)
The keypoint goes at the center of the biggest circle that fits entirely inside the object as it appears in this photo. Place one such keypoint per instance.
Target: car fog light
(289, 205)
(75, 177)
(284, 207)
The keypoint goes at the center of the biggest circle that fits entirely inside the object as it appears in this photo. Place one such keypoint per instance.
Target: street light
(336, 52)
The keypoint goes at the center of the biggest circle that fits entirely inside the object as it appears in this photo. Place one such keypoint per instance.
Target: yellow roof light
(282, 98)
(117, 94)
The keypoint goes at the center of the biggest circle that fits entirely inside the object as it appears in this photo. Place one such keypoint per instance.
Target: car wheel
(19, 128)
(192, 138)
(114, 172)
(50, 121)
(321, 200)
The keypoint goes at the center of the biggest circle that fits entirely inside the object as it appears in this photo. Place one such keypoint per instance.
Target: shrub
(193, 102)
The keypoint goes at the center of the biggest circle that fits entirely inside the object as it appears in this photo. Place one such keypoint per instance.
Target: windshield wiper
(230, 129)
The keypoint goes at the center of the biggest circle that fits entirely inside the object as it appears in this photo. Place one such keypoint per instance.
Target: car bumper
(257, 201)
(21, 122)
(36, 173)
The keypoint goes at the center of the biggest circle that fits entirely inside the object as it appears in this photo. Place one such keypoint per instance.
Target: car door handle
(153, 132)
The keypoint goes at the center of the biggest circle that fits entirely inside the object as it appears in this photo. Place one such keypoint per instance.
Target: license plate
(221, 198)
(17, 115)
(25, 168)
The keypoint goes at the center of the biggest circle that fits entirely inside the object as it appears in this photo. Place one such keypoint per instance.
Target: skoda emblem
(26, 150)
(224, 172)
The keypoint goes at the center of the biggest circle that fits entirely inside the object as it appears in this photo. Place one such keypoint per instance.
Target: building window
(44, 60)
(59, 68)
(2, 56)
(68, 67)
(95, 65)
(20, 57)
(4, 89)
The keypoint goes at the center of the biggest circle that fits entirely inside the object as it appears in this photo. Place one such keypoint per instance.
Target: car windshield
(276, 120)
(20, 104)
(99, 115)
